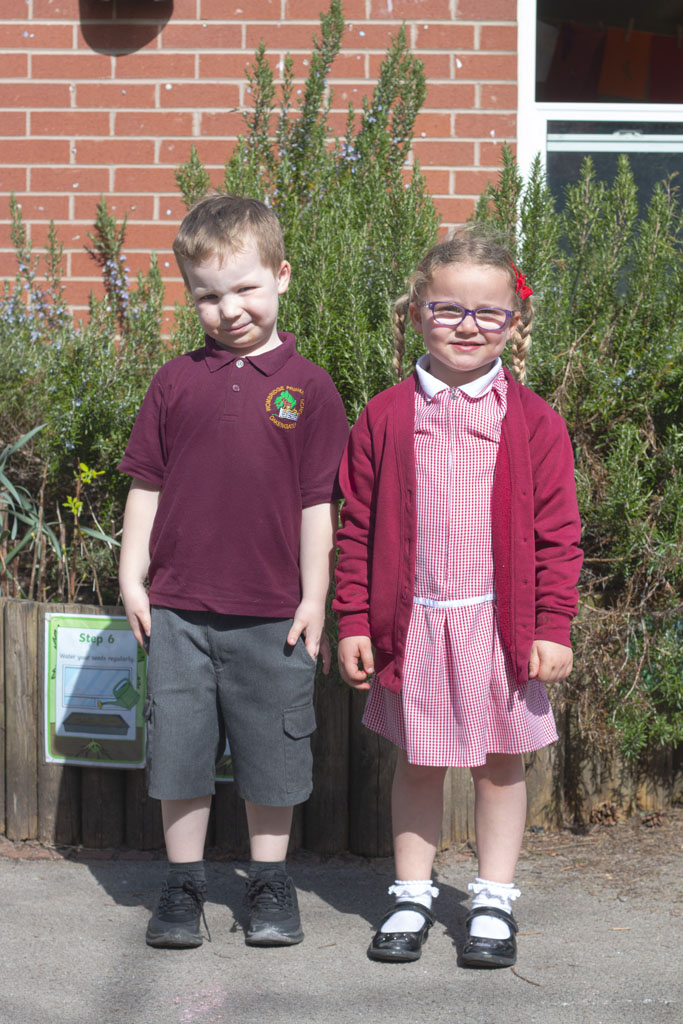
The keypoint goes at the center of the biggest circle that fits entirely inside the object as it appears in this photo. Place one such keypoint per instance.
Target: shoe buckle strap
(502, 915)
(409, 905)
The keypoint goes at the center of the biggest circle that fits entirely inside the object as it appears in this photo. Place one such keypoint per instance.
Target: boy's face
(237, 299)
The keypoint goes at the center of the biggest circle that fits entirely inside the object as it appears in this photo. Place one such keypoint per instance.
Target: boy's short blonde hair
(221, 224)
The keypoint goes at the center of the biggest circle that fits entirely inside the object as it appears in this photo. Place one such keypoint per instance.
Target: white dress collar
(475, 389)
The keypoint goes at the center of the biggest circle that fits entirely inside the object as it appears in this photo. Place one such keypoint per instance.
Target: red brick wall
(79, 117)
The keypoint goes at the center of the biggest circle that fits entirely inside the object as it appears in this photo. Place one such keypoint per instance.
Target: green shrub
(84, 383)
(356, 219)
(608, 355)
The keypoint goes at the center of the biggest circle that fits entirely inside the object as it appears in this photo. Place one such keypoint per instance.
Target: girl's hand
(549, 662)
(350, 651)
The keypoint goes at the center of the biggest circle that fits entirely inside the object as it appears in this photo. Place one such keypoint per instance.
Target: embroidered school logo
(285, 405)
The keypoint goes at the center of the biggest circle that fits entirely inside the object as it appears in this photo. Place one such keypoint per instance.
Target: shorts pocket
(299, 722)
(307, 655)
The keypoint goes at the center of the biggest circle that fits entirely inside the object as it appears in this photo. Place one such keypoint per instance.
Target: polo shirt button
(239, 364)
(235, 387)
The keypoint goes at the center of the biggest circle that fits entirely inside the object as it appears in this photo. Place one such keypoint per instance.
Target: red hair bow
(522, 289)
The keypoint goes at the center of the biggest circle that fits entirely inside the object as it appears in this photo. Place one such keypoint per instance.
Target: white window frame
(533, 117)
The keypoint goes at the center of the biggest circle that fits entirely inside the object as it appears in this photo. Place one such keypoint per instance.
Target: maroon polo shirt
(239, 445)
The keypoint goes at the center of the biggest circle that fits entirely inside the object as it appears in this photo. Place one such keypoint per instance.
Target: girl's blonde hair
(465, 247)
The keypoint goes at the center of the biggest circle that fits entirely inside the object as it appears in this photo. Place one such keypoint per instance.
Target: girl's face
(458, 355)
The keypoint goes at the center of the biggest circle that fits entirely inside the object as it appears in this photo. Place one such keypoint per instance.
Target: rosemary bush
(356, 219)
(608, 355)
(83, 382)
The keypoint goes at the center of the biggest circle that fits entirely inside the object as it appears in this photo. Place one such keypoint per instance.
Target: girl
(458, 562)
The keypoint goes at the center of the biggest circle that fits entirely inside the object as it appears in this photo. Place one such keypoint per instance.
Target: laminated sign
(94, 691)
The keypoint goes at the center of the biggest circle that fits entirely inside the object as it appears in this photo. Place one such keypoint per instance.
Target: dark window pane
(655, 151)
(609, 51)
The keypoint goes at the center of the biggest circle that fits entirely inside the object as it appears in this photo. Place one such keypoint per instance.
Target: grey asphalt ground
(600, 920)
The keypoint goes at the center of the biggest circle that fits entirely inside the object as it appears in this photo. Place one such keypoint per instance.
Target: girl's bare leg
(499, 815)
(499, 818)
(417, 809)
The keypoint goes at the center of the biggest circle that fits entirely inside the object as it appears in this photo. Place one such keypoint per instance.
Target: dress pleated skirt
(459, 701)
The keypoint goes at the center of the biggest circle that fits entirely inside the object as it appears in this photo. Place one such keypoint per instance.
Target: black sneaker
(175, 922)
(274, 911)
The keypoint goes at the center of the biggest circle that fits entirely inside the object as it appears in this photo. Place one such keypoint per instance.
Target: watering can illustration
(125, 695)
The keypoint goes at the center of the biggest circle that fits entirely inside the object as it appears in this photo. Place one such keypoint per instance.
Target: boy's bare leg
(269, 829)
(185, 824)
(176, 921)
(271, 897)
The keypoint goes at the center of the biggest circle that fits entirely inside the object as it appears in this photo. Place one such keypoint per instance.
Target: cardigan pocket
(386, 673)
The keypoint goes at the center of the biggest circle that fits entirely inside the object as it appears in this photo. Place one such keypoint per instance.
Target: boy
(231, 515)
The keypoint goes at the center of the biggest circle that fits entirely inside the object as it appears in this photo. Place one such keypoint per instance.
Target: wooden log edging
(350, 807)
(21, 719)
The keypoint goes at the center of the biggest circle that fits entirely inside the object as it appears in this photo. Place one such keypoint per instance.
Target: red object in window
(625, 65)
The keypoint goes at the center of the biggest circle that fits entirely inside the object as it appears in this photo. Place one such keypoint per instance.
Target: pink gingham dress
(458, 700)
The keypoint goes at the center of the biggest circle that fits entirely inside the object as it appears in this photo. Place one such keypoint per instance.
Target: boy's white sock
(491, 894)
(415, 892)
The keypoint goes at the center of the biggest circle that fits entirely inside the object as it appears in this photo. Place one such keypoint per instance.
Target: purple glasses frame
(469, 312)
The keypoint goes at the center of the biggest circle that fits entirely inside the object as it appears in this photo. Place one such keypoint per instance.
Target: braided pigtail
(521, 340)
(399, 330)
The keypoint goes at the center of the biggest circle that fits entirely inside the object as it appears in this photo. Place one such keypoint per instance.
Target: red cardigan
(535, 525)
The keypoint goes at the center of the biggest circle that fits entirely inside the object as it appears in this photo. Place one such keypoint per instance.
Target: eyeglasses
(487, 318)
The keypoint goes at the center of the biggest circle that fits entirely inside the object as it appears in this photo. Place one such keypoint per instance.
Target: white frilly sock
(415, 892)
(491, 894)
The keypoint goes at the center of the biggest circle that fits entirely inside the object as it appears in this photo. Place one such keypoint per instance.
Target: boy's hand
(309, 620)
(550, 662)
(138, 519)
(351, 650)
(136, 603)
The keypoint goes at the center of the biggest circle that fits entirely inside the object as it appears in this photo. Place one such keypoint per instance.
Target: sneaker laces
(264, 892)
(177, 901)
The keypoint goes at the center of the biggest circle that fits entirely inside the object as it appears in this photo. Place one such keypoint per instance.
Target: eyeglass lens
(449, 314)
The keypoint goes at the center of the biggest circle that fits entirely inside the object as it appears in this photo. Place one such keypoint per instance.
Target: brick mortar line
(212, 22)
(236, 50)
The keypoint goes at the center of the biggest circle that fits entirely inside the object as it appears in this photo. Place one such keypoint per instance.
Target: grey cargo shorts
(208, 672)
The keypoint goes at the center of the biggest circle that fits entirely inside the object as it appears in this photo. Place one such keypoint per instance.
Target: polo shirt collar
(267, 363)
(474, 389)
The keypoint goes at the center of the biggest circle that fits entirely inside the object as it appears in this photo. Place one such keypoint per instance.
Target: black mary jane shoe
(480, 952)
(401, 947)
